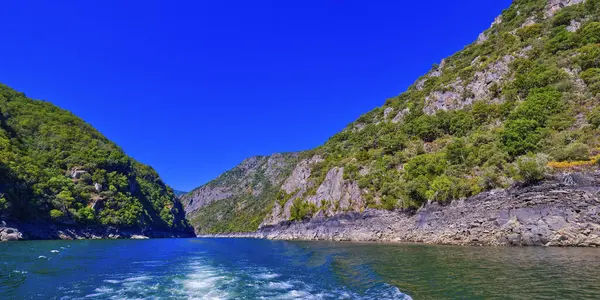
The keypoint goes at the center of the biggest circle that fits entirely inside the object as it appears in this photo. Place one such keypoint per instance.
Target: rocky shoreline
(564, 211)
(14, 231)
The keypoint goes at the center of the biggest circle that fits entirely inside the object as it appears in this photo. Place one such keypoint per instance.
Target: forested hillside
(54, 167)
(516, 105)
(239, 199)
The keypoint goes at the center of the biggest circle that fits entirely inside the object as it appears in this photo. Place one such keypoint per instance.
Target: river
(205, 268)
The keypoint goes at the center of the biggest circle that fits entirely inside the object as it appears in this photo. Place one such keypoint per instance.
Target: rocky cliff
(239, 198)
(564, 211)
(517, 106)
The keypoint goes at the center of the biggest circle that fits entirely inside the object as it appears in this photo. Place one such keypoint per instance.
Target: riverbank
(13, 231)
(564, 211)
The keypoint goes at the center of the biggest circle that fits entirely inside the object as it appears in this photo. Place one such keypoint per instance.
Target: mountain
(57, 170)
(239, 199)
(179, 193)
(514, 107)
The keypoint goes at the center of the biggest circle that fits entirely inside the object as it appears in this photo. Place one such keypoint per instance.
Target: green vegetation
(54, 166)
(528, 117)
(301, 209)
(253, 194)
(508, 109)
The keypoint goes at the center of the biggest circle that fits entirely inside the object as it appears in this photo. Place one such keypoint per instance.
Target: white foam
(94, 295)
(42, 257)
(54, 251)
(295, 294)
(267, 276)
(111, 281)
(137, 278)
(279, 285)
(206, 282)
(103, 289)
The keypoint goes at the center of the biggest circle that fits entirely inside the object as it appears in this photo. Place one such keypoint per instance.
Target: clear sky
(194, 87)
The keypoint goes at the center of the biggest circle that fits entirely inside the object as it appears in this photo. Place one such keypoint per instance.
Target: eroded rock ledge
(564, 211)
(13, 231)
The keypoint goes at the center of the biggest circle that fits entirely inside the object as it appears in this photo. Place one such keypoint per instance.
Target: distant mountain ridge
(179, 193)
(238, 199)
(519, 103)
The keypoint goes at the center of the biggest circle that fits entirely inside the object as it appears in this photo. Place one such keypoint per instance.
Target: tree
(56, 214)
(521, 136)
(532, 168)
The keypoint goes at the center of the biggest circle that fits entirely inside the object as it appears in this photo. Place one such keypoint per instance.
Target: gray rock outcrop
(295, 185)
(10, 234)
(554, 6)
(561, 212)
(246, 177)
(337, 194)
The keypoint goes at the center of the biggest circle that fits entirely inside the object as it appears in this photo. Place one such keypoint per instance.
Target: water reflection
(438, 272)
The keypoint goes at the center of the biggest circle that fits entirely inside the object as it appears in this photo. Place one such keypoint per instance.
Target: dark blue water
(262, 269)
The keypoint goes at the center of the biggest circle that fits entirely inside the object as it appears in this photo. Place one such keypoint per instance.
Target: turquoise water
(262, 269)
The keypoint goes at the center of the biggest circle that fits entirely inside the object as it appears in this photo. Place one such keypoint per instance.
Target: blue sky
(194, 87)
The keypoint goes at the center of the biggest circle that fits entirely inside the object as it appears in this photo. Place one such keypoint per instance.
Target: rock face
(458, 94)
(239, 199)
(337, 194)
(555, 5)
(561, 212)
(9, 234)
(481, 85)
(239, 180)
(300, 175)
(296, 185)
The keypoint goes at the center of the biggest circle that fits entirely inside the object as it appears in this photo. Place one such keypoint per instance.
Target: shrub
(592, 79)
(589, 57)
(562, 18)
(56, 214)
(573, 152)
(491, 178)
(592, 5)
(424, 127)
(4, 205)
(574, 164)
(538, 76)
(425, 165)
(86, 215)
(416, 190)
(532, 168)
(561, 121)
(444, 189)
(457, 152)
(590, 33)
(460, 123)
(389, 202)
(301, 210)
(520, 136)
(531, 31)
(594, 117)
(539, 106)
(483, 112)
(562, 40)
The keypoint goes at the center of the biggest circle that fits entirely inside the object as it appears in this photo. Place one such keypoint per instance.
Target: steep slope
(239, 199)
(179, 193)
(519, 103)
(56, 169)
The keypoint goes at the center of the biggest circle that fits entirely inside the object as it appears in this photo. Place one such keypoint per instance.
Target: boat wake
(201, 279)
